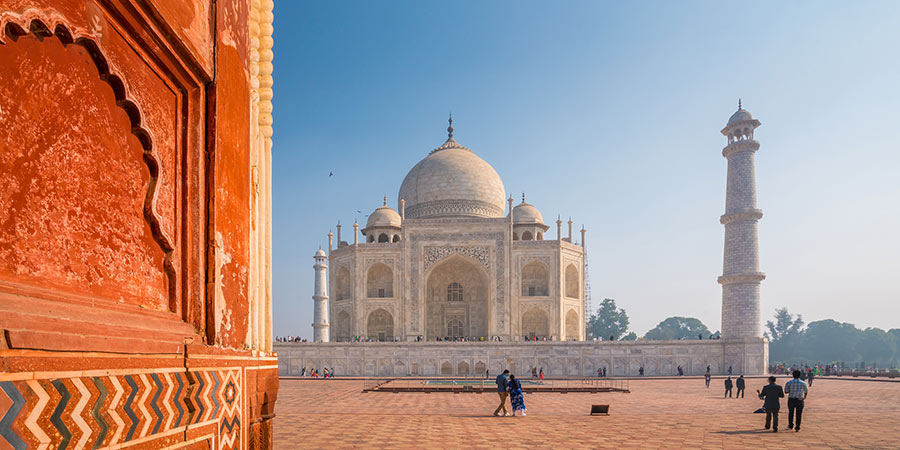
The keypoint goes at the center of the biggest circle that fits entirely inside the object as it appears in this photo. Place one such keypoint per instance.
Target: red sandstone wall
(124, 227)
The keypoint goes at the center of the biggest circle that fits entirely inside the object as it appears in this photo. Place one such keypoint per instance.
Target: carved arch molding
(109, 118)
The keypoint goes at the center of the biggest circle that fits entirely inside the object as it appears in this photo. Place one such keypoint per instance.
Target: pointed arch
(380, 325)
(572, 282)
(535, 280)
(379, 281)
(572, 325)
(535, 323)
(342, 283)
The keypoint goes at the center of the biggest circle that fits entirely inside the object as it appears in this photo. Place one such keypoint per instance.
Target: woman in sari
(516, 396)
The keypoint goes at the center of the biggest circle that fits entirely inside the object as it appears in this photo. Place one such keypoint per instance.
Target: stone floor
(663, 413)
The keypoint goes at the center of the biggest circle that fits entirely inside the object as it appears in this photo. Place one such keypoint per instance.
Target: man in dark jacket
(728, 386)
(772, 394)
(740, 387)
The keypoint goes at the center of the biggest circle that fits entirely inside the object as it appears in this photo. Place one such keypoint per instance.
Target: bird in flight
(330, 174)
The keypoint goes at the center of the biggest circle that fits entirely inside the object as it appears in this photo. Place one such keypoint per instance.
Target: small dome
(321, 254)
(740, 116)
(384, 216)
(526, 213)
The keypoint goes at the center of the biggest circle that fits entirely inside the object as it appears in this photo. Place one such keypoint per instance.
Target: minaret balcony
(746, 145)
(753, 214)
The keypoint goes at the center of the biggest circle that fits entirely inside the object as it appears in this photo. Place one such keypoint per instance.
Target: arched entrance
(342, 327)
(380, 325)
(456, 299)
(572, 325)
(535, 324)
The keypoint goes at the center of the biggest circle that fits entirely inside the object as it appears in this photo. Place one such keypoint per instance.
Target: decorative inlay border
(122, 410)
(435, 254)
(454, 207)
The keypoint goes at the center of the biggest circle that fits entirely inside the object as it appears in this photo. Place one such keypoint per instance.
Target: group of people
(510, 387)
(772, 393)
(289, 339)
(537, 373)
(314, 373)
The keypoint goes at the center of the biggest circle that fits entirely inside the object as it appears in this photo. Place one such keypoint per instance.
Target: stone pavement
(664, 413)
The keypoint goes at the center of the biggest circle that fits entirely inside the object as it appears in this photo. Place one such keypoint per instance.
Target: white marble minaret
(320, 313)
(741, 276)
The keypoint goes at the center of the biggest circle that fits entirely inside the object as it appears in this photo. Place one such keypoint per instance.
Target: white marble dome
(453, 181)
(739, 116)
(526, 213)
(384, 216)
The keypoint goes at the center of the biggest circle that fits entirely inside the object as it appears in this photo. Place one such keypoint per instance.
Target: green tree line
(791, 341)
(829, 341)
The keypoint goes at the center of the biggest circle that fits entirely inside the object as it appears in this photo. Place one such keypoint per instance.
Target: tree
(632, 336)
(677, 328)
(784, 335)
(877, 346)
(828, 340)
(609, 321)
(785, 325)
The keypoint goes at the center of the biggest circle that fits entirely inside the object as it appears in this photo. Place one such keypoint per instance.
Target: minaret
(740, 275)
(558, 228)
(320, 297)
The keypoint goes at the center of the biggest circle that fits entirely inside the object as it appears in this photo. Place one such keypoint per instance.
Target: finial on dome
(739, 104)
(385, 200)
(523, 197)
(450, 128)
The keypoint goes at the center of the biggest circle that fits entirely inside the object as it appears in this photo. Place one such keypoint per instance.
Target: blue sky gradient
(608, 112)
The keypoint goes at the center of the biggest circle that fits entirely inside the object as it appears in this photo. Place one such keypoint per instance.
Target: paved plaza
(658, 413)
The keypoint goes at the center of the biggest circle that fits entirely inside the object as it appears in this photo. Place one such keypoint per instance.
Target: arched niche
(572, 281)
(379, 281)
(342, 284)
(380, 325)
(535, 323)
(573, 325)
(342, 327)
(535, 280)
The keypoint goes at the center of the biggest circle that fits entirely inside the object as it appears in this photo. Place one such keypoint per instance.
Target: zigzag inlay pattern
(6, 430)
(131, 415)
(154, 405)
(56, 418)
(110, 411)
(95, 412)
(178, 400)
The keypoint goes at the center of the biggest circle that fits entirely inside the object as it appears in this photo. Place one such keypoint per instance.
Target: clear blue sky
(609, 112)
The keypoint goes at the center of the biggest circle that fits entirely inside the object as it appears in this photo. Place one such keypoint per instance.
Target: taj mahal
(461, 278)
(458, 261)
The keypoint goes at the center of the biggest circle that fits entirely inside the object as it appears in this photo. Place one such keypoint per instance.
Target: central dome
(452, 181)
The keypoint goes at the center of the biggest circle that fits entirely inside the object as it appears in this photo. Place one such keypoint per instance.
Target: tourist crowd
(315, 373)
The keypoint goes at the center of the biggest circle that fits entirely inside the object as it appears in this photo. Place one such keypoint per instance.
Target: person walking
(502, 385)
(729, 370)
(541, 375)
(487, 374)
(796, 390)
(516, 395)
(740, 387)
(641, 371)
(810, 376)
(772, 394)
(707, 377)
(728, 385)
